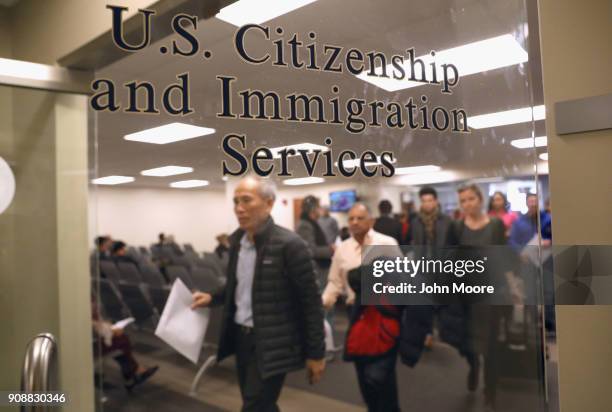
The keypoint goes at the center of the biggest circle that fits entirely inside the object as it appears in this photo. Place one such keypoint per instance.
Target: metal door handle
(39, 372)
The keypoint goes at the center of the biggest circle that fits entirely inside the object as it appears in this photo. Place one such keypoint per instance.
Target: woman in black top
(480, 322)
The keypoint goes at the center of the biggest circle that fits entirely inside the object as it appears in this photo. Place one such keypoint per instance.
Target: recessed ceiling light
(544, 156)
(357, 162)
(522, 115)
(303, 181)
(300, 146)
(187, 184)
(530, 142)
(169, 133)
(426, 178)
(167, 171)
(416, 169)
(254, 11)
(25, 70)
(471, 58)
(112, 180)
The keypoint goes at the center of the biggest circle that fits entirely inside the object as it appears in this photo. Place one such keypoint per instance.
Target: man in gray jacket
(309, 230)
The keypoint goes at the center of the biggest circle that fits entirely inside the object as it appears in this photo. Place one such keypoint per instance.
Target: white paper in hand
(122, 324)
(180, 326)
(329, 337)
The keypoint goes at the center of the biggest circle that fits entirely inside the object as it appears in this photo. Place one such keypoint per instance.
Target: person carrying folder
(273, 317)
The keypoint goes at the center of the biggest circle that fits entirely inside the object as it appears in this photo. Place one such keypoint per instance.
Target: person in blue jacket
(526, 227)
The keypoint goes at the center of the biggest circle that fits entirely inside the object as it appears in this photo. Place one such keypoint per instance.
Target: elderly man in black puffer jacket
(273, 316)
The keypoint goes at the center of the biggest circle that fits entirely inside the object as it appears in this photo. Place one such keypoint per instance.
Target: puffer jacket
(287, 309)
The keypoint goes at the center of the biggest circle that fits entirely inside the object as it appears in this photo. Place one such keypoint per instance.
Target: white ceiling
(384, 25)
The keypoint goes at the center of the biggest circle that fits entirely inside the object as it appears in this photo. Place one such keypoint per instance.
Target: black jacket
(390, 227)
(418, 236)
(287, 310)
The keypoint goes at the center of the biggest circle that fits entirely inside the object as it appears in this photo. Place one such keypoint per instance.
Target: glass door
(343, 100)
(45, 279)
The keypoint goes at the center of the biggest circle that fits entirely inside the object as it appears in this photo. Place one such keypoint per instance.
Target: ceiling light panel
(471, 58)
(530, 142)
(112, 180)
(303, 181)
(188, 184)
(357, 162)
(523, 115)
(256, 12)
(167, 171)
(169, 133)
(416, 169)
(300, 146)
(426, 178)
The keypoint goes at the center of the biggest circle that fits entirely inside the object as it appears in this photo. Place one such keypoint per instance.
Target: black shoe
(473, 375)
(141, 378)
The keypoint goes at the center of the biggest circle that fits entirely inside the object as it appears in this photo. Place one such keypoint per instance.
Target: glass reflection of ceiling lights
(169, 133)
(300, 146)
(303, 181)
(543, 156)
(522, 115)
(188, 184)
(112, 180)
(426, 178)
(416, 169)
(167, 171)
(471, 58)
(256, 12)
(357, 162)
(530, 142)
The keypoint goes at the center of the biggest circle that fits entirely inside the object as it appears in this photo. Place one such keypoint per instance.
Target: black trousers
(378, 382)
(258, 394)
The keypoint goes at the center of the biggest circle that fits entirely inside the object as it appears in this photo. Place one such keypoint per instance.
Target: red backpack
(374, 333)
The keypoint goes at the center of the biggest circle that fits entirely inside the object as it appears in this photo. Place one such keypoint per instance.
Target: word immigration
(355, 114)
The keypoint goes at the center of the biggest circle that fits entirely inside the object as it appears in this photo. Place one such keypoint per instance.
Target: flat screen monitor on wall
(342, 201)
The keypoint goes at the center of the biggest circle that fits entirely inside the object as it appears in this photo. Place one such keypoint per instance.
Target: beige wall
(577, 62)
(5, 34)
(137, 215)
(45, 31)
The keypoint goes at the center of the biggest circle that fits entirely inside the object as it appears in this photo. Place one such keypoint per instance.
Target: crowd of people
(282, 284)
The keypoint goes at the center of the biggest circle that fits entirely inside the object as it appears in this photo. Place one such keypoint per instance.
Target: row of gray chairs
(121, 285)
(173, 255)
(144, 290)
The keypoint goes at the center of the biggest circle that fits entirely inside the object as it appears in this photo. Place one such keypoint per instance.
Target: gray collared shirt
(245, 271)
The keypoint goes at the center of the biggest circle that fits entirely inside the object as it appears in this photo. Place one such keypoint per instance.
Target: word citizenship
(338, 59)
